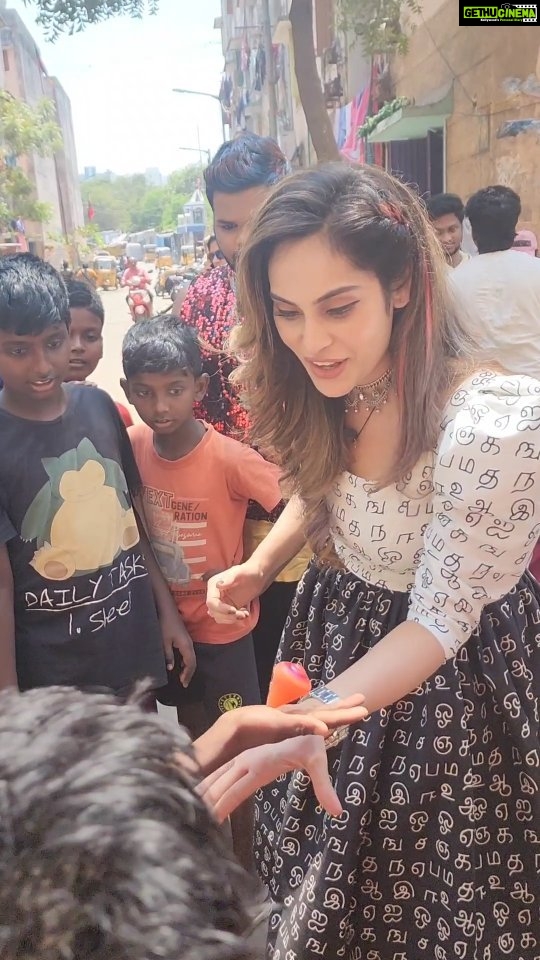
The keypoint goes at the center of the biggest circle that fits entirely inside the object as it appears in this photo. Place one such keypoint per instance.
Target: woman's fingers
(316, 766)
(300, 725)
(224, 790)
(219, 606)
(232, 794)
(213, 777)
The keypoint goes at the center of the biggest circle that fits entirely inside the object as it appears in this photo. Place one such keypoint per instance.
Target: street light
(203, 93)
(200, 151)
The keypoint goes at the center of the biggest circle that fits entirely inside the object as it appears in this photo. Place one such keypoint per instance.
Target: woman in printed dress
(414, 466)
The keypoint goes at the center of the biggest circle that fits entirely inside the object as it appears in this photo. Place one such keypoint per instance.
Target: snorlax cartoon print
(81, 519)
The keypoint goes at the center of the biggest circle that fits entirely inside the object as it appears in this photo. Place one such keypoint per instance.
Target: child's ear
(201, 386)
(125, 387)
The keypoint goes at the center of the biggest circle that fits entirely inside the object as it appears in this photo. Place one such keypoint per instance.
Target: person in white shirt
(501, 287)
(446, 212)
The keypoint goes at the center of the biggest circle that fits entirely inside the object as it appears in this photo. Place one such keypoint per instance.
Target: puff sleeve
(486, 506)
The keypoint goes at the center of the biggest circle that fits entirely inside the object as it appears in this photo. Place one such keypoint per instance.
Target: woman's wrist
(323, 694)
(257, 566)
(326, 696)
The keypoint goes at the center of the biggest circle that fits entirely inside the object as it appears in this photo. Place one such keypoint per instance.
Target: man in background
(501, 287)
(446, 212)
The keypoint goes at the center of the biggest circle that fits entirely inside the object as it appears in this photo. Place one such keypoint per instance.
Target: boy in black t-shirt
(90, 605)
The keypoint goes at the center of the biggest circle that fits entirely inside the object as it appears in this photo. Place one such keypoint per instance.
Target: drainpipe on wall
(444, 144)
(270, 69)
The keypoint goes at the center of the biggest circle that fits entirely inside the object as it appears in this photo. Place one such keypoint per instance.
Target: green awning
(413, 122)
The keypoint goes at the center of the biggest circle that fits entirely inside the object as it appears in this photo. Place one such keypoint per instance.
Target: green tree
(111, 211)
(23, 130)
(377, 23)
(129, 204)
(72, 16)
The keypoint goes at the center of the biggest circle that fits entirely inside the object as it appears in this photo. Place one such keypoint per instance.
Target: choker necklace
(372, 395)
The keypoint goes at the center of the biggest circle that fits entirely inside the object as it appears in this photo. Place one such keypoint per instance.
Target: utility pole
(270, 67)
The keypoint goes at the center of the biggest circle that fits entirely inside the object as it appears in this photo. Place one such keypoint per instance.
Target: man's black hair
(243, 163)
(106, 851)
(443, 204)
(33, 296)
(493, 213)
(161, 346)
(83, 296)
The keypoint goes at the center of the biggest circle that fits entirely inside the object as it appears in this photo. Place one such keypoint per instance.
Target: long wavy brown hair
(379, 225)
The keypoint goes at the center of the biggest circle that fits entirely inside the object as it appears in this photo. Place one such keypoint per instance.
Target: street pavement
(117, 322)
(107, 376)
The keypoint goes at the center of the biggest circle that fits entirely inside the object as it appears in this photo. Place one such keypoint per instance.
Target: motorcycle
(139, 300)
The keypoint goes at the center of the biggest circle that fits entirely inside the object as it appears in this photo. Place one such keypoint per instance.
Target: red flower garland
(210, 308)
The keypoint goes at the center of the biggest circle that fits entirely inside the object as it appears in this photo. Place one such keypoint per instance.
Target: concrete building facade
(55, 178)
(343, 70)
(461, 106)
(482, 85)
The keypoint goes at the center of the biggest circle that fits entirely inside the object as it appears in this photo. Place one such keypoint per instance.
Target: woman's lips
(326, 369)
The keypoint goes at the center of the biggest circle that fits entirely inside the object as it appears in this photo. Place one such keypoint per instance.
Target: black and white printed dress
(437, 855)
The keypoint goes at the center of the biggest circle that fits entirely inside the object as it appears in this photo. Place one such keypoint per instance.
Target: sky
(119, 77)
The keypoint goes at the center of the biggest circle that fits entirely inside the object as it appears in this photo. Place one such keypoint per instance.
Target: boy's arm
(173, 631)
(8, 672)
(254, 478)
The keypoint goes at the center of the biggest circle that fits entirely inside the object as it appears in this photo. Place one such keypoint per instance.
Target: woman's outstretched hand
(248, 727)
(262, 725)
(225, 789)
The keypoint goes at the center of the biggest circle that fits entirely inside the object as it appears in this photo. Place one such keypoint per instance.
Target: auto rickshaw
(150, 253)
(107, 274)
(162, 286)
(163, 257)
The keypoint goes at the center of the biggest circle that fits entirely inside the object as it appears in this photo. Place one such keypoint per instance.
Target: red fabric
(210, 307)
(130, 273)
(535, 562)
(125, 414)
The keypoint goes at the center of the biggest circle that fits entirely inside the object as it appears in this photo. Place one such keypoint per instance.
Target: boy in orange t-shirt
(197, 484)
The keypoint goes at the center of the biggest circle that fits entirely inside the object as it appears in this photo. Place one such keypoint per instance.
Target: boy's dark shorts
(225, 678)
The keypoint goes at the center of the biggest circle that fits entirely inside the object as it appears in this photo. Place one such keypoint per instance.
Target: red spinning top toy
(289, 682)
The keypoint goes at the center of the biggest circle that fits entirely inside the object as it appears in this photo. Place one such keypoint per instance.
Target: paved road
(117, 321)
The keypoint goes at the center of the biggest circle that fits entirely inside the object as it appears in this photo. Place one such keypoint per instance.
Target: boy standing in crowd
(79, 585)
(197, 485)
(86, 336)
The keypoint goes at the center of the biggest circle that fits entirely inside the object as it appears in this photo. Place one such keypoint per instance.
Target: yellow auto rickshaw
(162, 287)
(163, 257)
(150, 253)
(107, 272)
